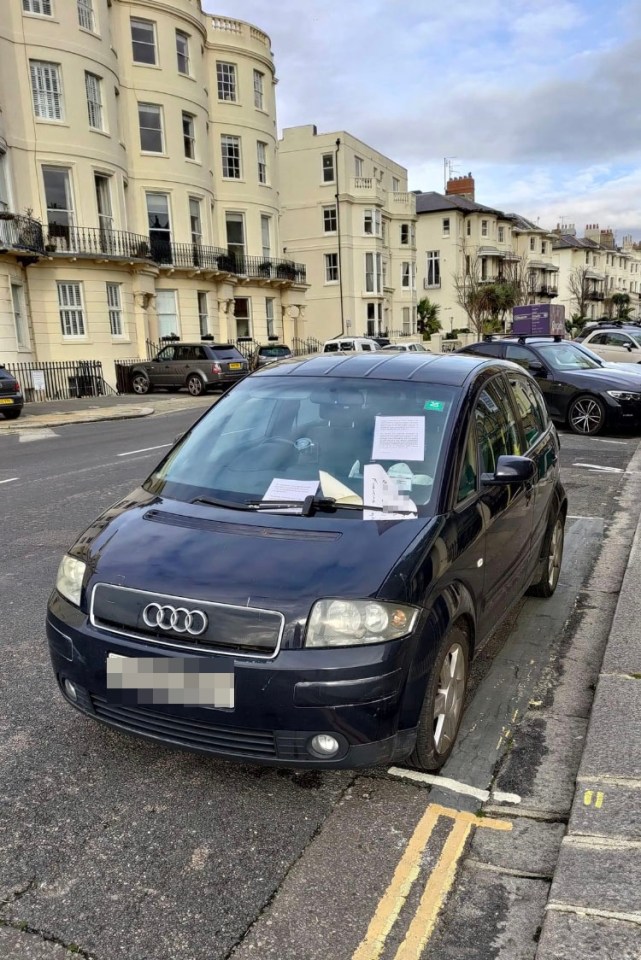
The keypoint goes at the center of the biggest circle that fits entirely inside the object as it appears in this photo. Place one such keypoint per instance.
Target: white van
(350, 344)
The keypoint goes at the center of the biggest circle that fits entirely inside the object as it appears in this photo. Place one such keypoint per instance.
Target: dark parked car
(11, 397)
(197, 366)
(578, 390)
(269, 353)
(305, 577)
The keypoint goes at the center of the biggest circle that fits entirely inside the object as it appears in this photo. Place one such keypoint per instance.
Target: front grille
(188, 733)
(244, 631)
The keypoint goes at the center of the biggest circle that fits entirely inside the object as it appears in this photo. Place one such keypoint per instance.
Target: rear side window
(227, 353)
(347, 345)
(520, 355)
(485, 349)
(5, 375)
(533, 418)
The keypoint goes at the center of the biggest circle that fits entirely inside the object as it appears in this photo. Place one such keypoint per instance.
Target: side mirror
(156, 360)
(536, 368)
(629, 347)
(510, 470)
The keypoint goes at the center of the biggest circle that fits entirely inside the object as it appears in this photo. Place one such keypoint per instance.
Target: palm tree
(428, 317)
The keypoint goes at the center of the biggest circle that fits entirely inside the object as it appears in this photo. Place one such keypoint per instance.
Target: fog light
(325, 745)
(70, 690)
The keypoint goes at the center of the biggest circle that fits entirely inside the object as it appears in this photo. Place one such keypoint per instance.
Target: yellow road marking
(437, 887)
(589, 795)
(397, 892)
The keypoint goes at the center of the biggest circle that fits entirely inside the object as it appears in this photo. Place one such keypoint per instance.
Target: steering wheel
(281, 440)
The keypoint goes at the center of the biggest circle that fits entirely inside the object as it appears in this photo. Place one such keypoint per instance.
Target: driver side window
(166, 354)
(520, 355)
(496, 429)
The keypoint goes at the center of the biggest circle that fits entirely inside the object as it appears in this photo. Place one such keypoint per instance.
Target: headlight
(346, 623)
(623, 395)
(71, 573)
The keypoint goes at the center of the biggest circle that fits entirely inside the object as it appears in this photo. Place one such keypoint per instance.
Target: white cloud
(542, 94)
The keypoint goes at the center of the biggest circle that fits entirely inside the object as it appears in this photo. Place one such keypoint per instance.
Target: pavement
(58, 413)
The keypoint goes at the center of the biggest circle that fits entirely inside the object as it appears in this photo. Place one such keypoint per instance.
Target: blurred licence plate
(192, 681)
(6, 400)
(235, 366)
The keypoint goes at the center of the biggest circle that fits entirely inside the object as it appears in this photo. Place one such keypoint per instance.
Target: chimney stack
(460, 187)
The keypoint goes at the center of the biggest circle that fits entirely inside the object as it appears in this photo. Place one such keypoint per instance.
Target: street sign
(38, 379)
(539, 320)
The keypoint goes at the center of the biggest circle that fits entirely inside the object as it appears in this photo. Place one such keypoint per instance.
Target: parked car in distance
(269, 353)
(196, 366)
(407, 348)
(350, 345)
(11, 396)
(616, 344)
(301, 604)
(578, 390)
(381, 341)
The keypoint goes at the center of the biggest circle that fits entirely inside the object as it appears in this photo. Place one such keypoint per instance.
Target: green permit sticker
(434, 405)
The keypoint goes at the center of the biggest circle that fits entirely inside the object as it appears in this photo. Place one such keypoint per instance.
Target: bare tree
(579, 287)
(487, 303)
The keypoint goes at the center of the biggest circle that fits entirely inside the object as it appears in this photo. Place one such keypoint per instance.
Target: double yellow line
(436, 889)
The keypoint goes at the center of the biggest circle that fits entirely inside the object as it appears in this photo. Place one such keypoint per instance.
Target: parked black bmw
(579, 389)
(304, 578)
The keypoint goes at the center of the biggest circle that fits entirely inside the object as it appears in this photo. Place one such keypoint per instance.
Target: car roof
(452, 369)
(200, 343)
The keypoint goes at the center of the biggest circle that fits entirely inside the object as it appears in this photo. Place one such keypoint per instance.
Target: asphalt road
(117, 848)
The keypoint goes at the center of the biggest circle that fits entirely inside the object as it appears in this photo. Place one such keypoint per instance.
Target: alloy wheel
(586, 416)
(195, 386)
(555, 555)
(140, 384)
(448, 703)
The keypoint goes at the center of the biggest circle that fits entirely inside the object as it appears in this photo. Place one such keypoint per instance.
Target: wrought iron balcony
(97, 242)
(267, 268)
(191, 255)
(20, 233)
(545, 290)
(596, 295)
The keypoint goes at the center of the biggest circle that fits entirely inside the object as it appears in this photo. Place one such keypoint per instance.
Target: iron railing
(267, 268)
(18, 232)
(97, 242)
(302, 346)
(60, 379)
(191, 255)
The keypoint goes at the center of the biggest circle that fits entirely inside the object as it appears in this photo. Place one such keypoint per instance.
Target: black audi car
(579, 390)
(11, 395)
(305, 577)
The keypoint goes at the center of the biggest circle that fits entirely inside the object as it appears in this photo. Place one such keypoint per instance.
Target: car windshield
(567, 356)
(273, 437)
(274, 351)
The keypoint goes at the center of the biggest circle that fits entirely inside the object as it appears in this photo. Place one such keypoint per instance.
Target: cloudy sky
(540, 99)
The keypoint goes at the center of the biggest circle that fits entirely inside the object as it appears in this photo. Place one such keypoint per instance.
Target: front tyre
(552, 559)
(586, 415)
(443, 705)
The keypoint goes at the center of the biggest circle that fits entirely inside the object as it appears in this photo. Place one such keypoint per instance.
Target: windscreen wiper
(229, 504)
(315, 504)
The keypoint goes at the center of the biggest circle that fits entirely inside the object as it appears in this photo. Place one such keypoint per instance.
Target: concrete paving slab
(606, 809)
(540, 767)
(21, 945)
(612, 747)
(567, 936)
(530, 848)
(604, 876)
(490, 915)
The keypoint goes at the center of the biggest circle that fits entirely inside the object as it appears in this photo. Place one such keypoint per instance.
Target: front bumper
(358, 696)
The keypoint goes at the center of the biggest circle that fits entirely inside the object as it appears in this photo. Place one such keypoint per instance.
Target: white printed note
(297, 490)
(381, 492)
(399, 438)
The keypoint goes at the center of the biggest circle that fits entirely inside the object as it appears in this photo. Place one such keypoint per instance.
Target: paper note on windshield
(399, 438)
(381, 492)
(332, 487)
(296, 490)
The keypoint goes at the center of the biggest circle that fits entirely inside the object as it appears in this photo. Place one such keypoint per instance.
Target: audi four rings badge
(178, 619)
